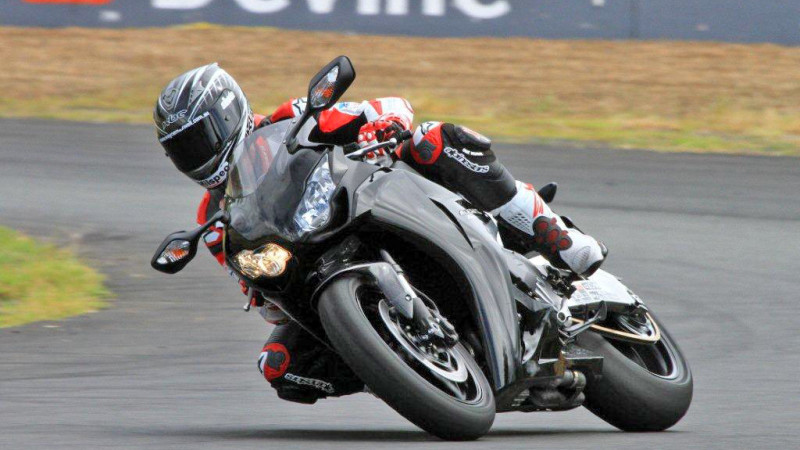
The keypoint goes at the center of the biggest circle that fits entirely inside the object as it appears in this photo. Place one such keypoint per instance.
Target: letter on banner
(433, 7)
(368, 7)
(479, 10)
(373, 7)
(180, 4)
(263, 6)
(321, 6)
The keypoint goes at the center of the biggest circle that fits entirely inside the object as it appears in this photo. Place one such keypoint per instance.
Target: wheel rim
(658, 358)
(445, 369)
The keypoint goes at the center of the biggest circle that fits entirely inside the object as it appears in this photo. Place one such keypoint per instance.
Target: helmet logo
(227, 99)
(169, 97)
(216, 179)
(185, 126)
(172, 118)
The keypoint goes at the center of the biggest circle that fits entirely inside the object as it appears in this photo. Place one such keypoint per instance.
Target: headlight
(270, 261)
(315, 207)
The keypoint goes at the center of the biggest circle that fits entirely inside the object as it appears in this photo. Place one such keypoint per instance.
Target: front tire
(391, 377)
(645, 388)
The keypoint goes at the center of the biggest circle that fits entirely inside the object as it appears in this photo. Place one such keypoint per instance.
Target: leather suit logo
(323, 386)
(458, 156)
(274, 361)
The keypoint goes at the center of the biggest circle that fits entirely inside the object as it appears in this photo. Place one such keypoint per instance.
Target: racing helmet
(200, 117)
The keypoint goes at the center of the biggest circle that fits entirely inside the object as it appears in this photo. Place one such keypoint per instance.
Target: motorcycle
(413, 288)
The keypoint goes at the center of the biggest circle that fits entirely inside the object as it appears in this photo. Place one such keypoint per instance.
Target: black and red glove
(379, 130)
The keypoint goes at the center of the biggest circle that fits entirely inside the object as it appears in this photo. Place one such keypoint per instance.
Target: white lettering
(321, 6)
(433, 7)
(180, 4)
(227, 100)
(479, 10)
(263, 6)
(397, 7)
(373, 7)
(368, 7)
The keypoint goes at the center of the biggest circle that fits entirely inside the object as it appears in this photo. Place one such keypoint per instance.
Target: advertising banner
(722, 20)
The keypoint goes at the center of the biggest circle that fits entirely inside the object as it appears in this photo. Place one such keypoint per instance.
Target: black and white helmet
(200, 116)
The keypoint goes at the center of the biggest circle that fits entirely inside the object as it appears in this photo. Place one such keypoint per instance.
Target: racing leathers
(454, 156)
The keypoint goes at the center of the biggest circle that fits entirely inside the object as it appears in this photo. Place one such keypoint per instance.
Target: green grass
(41, 282)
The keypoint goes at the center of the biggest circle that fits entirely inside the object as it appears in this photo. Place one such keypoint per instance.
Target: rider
(202, 114)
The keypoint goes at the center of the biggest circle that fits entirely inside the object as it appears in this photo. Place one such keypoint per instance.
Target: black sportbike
(412, 287)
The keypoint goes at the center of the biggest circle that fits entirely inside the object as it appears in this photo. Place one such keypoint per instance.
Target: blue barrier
(775, 21)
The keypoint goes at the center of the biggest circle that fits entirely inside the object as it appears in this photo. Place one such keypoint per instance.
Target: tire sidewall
(630, 397)
(391, 379)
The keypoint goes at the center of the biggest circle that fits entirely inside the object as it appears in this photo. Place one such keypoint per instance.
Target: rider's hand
(379, 130)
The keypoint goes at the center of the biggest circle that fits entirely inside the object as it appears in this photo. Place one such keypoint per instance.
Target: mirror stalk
(162, 263)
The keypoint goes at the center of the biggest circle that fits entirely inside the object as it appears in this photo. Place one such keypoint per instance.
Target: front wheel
(644, 387)
(441, 390)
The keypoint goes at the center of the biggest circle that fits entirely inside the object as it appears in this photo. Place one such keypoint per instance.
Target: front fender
(381, 274)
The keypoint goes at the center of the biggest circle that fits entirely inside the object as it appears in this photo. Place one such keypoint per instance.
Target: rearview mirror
(178, 249)
(324, 90)
(175, 252)
(330, 83)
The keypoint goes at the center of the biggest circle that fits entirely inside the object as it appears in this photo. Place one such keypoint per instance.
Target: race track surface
(710, 242)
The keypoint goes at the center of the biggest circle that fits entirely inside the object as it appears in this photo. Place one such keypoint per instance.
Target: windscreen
(266, 185)
(253, 158)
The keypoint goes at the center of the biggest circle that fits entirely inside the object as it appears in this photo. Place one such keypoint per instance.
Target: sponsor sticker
(216, 179)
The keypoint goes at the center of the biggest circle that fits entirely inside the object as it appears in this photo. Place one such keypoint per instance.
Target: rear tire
(392, 379)
(631, 397)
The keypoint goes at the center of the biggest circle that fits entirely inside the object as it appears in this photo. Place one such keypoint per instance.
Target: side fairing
(425, 212)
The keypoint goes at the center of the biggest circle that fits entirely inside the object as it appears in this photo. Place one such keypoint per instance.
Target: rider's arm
(212, 237)
(341, 123)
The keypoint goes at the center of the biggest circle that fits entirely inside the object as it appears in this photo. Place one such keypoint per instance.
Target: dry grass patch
(662, 95)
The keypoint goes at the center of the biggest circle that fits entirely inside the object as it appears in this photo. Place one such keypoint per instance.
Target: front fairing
(434, 218)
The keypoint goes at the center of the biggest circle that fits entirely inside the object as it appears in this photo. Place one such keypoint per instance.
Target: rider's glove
(379, 130)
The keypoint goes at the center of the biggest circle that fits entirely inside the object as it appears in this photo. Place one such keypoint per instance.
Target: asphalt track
(710, 242)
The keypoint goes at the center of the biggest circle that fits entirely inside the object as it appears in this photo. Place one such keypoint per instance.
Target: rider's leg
(566, 248)
(303, 370)
(463, 161)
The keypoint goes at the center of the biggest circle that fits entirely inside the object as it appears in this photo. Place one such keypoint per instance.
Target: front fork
(425, 319)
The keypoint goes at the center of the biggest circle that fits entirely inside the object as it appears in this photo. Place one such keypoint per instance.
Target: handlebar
(353, 151)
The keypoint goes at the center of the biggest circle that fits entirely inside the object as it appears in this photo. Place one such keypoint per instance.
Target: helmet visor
(206, 136)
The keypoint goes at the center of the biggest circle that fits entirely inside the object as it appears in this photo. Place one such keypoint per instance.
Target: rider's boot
(527, 217)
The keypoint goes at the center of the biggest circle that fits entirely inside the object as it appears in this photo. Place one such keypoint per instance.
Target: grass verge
(41, 282)
(686, 96)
